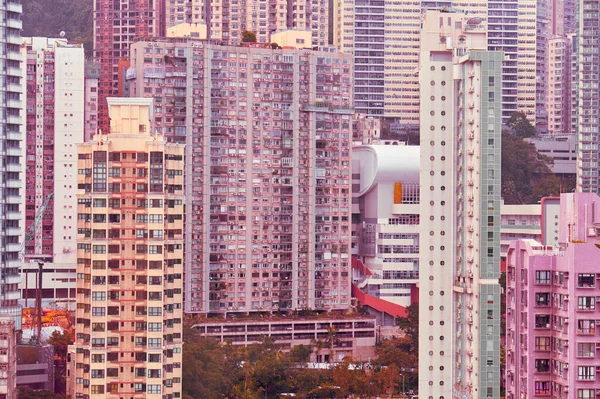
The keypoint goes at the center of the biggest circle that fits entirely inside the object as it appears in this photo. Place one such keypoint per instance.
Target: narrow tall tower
(459, 351)
(589, 96)
(129, 259)
(11, 135)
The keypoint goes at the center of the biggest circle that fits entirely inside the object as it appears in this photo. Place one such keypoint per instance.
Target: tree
(248, 37)
(275, 46)
(520, 126)
(60, 342)
(410, 325)
(526, 174)
(26, 392)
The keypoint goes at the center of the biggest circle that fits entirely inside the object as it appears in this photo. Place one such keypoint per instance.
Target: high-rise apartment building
(588, 61)
(184, 11)
(552, 308)
(11, 152)
(55, 123)
(129, 259)
(459, 294)
(116, 25)
(383, 37)
(268, 133)
(226, 20)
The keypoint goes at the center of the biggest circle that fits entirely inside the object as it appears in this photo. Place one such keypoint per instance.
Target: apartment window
(542, 321)
(154, 342)
(542, 387)
(586, 280)
(98, 296)
(152, 388)
(586, 327)
(154, 311)
(542, 299)
(586, 394)
(586, 303)
(99, 249)
(586, 349)
(97, 373)
(542, 365)
(98, 311)
(586, 372)
(542, 343)
(154, 327)
(542, 277)
(99, 171)
(97, 389)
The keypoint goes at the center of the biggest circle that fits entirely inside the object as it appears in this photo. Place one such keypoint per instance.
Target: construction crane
(29, 236)
(30, 233)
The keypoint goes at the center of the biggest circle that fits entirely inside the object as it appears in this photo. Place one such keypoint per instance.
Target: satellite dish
(62, 33)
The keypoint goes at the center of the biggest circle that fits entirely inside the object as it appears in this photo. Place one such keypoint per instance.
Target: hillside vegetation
(47, 18)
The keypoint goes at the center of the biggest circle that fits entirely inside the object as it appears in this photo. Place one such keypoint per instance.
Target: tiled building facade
(129, 260)
(268, 189)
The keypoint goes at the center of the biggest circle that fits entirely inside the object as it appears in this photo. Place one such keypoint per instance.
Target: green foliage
(211, 370)
(520, 126)
(47, 18)
(248, 37)
(410, 325)
(27, 393)
(61, 342)
(526, 174)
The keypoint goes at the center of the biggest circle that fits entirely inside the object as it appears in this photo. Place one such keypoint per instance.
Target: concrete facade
(459, 294)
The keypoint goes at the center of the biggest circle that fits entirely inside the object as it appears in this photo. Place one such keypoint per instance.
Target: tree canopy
(526, 174)
(264, 370)
(248, 36)
(47, 18)
(520, 126)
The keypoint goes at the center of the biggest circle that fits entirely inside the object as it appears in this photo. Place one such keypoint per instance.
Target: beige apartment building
(129, 260)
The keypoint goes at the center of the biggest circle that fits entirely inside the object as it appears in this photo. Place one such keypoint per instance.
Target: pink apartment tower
(267, 136)
(552, 347)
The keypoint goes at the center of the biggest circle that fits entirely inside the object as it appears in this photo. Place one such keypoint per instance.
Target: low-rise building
(385, 231)
(35, 366)
(562, 148)
(354, 336)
